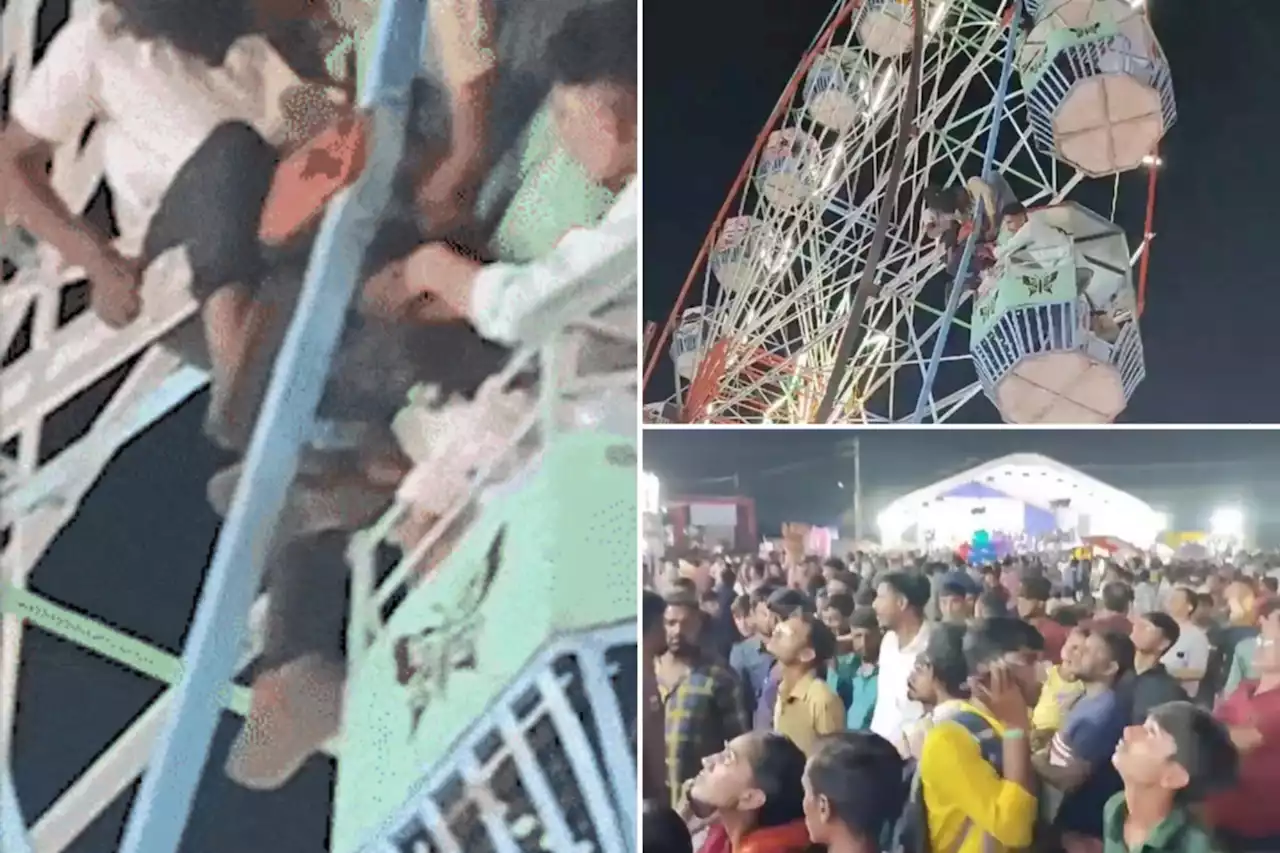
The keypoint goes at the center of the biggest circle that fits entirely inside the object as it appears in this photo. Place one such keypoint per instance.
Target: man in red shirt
(1033, 594)
(1246, 816)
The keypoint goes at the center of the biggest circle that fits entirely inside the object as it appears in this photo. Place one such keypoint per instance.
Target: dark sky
(713, 75)
(796, 475)
(134, 557)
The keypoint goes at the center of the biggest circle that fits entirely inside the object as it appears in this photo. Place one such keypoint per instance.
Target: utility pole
(857, 490)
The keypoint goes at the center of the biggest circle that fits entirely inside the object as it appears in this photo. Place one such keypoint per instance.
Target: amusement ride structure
(818, 298)
(525, 742)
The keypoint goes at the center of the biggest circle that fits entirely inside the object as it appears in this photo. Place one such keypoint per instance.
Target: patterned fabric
(703, 712)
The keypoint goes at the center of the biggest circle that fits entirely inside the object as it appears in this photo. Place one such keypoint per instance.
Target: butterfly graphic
(426, 659)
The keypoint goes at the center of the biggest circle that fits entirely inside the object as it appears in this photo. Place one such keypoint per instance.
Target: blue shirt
(753, 664)
(857, 689)
(1090, 733)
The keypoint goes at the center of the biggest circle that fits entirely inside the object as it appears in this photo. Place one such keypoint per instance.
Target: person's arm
(52, 110)
(1069, 760)
(829, 716)
(504, 294)
(954, 771)
(1241, 664)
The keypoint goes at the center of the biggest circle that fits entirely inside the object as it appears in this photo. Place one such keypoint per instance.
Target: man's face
(765, 620)
(920, 683)
(1014, 222)
(597, 125)
(835, 620)
(745, 623)
(1028, 607)
(790, 642)
(711, 607)
(682, 625)
(888, 605)
(1094, 661)
(1180, 605)
(1147, 638)
(865, 641)
(1071, 655)
(1145, 757)
(726, 780)
(955, 608)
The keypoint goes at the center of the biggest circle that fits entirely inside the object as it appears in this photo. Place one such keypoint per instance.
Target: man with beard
(807, 707)
(1077, 763)
(700, 696)
(899, 605)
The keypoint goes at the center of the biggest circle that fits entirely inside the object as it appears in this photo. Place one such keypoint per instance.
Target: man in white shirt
(1188, 658)
(899, 605)
(593, 65)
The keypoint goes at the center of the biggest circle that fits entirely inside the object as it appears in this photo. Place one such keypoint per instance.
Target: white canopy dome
(1037, 481)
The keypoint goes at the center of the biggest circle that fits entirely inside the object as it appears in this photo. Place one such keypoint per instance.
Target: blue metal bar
(168, 789)
(13, 832)
(988, 157)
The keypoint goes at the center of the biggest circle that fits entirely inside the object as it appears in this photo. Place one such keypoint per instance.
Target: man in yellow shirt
(975, 773)
(807, 707)
(1060, 691)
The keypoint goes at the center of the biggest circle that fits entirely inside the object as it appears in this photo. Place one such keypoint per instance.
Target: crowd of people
(909, 704)
(225, 127)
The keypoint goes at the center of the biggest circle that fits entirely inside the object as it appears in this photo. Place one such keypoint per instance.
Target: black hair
(1202, 745)
(1068, 617)
(842, 602)
(1117, 596)
(992, 639)
(851, 770)
(865, 618)
(821, 640)
(777, 766)
(946, 199)
(683, 599)
(761, 594)
(995, 603)
(953, 588)
(596, 44)
(916, 589)
(664, 831)
(741, 605)
(202, 28)
(1013, 208)
(1120, 647)
(651, 611)
(1270, 584)
(815, 585)
(865, 597)
(849, 579)
(834, 563)
(945, 654)
(686, 586)
(1166, 624)
(786, 603)
(1035, 588)
(710, 595)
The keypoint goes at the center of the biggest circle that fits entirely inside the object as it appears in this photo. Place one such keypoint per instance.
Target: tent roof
(1034, 479)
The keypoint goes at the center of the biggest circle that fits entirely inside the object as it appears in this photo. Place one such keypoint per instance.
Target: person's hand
(447, 196)
(1000, 693)
(386, 294)
(442, 271)
(116, 284)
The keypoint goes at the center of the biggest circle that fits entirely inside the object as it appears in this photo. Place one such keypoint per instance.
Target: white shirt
(504, 294)
(1190, 652)
(153, 105)
(1037, 242)
(893, 711)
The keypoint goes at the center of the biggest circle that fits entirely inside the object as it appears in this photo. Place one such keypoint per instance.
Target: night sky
(134, 557)
(714, 73)
(797, 475)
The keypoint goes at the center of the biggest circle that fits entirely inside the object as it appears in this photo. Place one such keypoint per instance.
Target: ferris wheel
(818, 296)
(460, 735)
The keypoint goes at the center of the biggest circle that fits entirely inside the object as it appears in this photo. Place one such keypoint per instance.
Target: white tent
(1096, 508)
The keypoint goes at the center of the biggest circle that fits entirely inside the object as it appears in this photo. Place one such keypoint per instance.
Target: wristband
(1014, 734)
